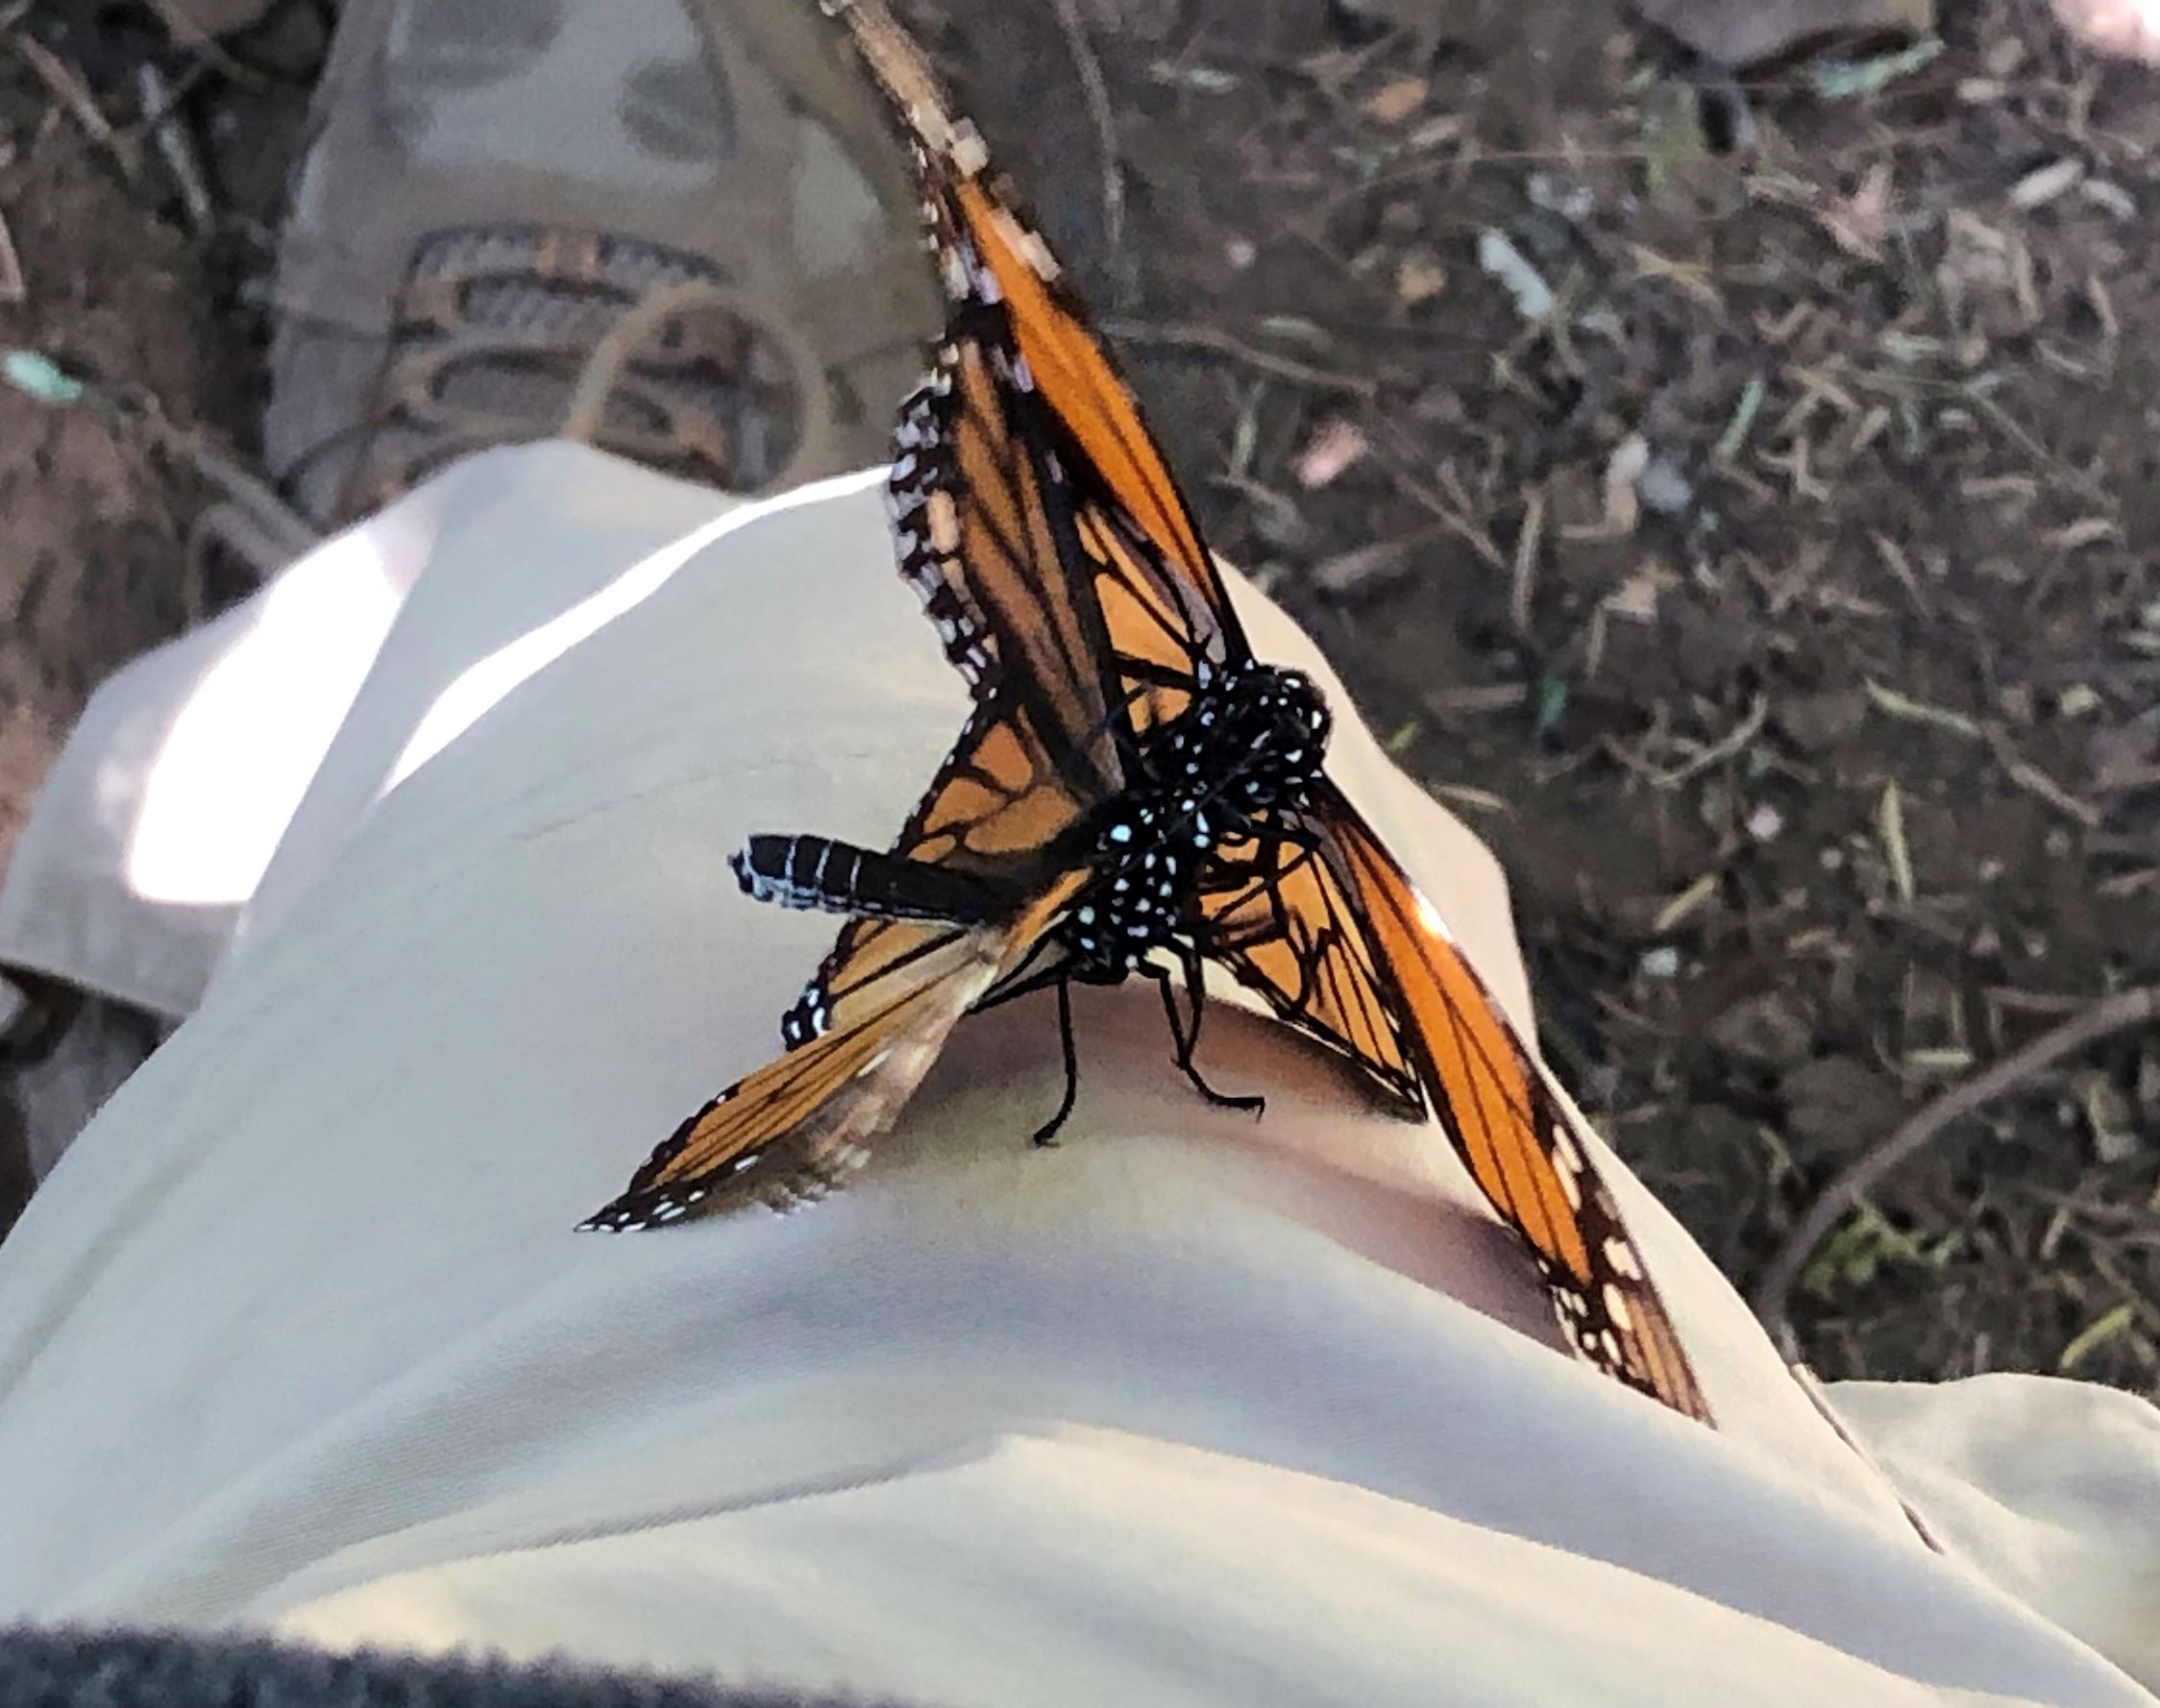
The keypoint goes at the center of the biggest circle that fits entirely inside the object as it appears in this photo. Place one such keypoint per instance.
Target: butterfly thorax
(1250, 744)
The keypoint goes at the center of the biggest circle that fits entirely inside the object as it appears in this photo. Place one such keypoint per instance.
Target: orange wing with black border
(1276, 914)
(1317, 915)
(1519, 1139)
(789, 1130)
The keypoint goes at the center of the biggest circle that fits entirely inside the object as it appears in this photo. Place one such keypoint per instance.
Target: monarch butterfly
(1132, 782)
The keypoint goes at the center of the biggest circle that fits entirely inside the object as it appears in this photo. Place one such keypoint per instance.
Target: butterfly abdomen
(834, 877)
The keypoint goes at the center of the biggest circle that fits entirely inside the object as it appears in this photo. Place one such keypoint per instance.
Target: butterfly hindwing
(1275, 914)
(788, 1130)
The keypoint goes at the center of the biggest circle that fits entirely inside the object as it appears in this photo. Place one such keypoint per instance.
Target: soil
(1783, 604)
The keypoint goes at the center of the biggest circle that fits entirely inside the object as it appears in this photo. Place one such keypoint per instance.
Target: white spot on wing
(1569, 1170)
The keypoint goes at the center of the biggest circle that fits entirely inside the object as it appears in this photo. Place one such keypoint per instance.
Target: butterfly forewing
(1514, 1134)
(1163, 629)
(920, 495)
(990, 250)
(789, 1129)
(989, 548)
(1090, 402)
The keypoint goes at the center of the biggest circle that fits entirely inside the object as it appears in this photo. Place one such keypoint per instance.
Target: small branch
(11, 288)
(71, 93)
(169, 132)
(1452, 516)
(2034, 781)
(279, 521)
(1725, 747)
(133, 407)
(1191, 336)
(1104, 120)
(198, 40)
(2120, 1013)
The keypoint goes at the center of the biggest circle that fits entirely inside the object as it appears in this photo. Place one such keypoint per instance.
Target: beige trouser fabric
(1193, 1409)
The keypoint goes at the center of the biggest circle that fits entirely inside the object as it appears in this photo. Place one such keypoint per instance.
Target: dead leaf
(1621, 470)
(2041, 187)
(2108, 1116)
(1447, 127)
(1499, 256)
(1636, 597)
(1393, 102)
(1837, 1103)
(1772, 1028)
(1381, 560)
(1334, 448)
(2124, 752)
(1420, 277)
(1861, 222)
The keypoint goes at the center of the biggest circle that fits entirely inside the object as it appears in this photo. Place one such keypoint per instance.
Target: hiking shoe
(678, 230)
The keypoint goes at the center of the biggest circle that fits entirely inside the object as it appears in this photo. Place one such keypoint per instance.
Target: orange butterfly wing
(975, 528)
(788, 1130)
(1519, 1138)
(1278, 917)
(982, 523)
(1334, 933)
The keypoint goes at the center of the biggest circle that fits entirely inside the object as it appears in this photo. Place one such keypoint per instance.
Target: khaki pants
(428, 842)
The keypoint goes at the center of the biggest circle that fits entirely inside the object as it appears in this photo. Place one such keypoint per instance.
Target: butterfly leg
(1047, 1133)
(1186, 1037)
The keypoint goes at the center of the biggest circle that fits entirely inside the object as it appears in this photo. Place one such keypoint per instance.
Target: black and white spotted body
(1251, 742)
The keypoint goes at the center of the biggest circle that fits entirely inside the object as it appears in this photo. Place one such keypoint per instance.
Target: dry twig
(73, 94)
(1527, 542)
(1453, 517)
(1104, 120)
(175, 146)
(2030, 777)
(1190, 335)
(1725, 747)
(202, 43)
(11, 288)
(133, 407)
(2120, 1013)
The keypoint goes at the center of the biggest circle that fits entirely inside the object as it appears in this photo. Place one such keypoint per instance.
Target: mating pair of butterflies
(1132, 788)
